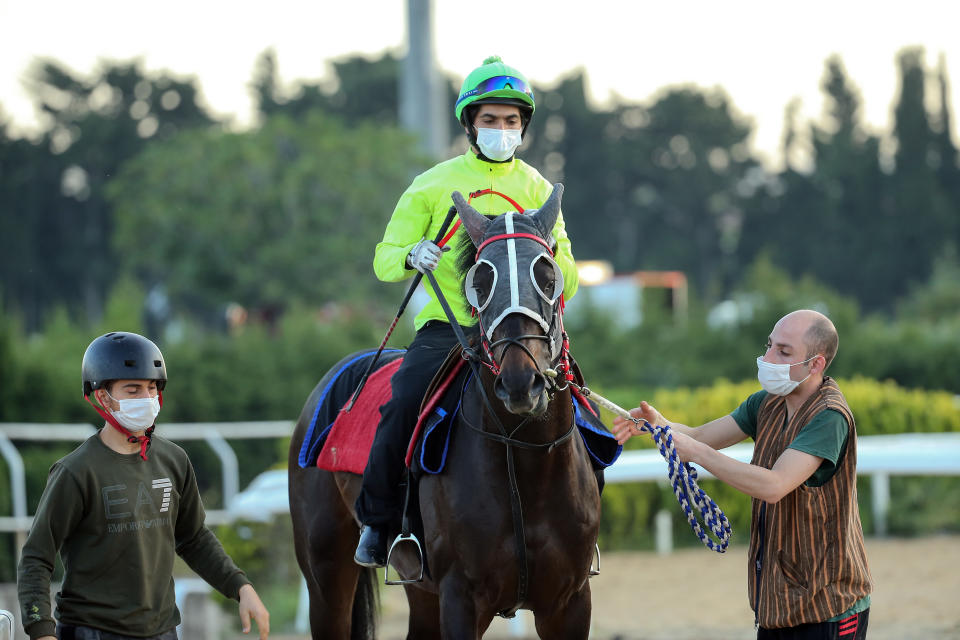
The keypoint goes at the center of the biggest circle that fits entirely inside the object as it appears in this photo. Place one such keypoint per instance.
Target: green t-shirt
(117, 522)
(825, 436)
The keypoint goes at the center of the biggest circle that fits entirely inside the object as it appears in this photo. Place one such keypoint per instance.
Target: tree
(55, 187)
(923, 216)
(290, 212)
(30, 228)
(359, 90)
(687, 173)
(831, 221)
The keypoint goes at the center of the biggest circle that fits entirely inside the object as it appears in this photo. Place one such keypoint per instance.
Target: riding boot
(372, 548)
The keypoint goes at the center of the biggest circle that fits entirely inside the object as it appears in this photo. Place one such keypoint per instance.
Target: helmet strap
(144, 440)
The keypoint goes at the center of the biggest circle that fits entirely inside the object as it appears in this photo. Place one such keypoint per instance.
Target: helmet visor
(497, 83)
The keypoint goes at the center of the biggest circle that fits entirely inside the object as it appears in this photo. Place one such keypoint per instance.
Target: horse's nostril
(536, 388)
(500, 390)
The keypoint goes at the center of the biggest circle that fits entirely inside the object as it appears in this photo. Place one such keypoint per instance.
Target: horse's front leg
(424, 620)
(460, 618)
(570, 621)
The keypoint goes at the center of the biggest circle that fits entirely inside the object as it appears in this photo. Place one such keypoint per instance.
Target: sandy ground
(696, 594)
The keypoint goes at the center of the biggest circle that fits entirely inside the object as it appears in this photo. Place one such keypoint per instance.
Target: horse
(512, 521)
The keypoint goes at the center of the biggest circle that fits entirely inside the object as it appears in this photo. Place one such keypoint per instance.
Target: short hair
(821, 337)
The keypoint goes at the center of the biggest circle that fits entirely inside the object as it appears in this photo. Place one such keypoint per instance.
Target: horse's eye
(547, 278)
(479, 284)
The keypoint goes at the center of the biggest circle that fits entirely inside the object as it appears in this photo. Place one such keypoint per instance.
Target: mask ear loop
(144, 440)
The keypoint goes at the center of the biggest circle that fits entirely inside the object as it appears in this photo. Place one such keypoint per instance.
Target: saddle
(337, 440)
(340, 441)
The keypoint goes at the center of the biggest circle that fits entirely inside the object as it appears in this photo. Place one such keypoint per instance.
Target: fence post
(18, 484)
(663, 525)
(880, 494)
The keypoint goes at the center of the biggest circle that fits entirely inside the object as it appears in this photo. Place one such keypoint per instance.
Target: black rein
(504, 438)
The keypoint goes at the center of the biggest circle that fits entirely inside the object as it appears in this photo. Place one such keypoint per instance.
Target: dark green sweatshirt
(117, 521)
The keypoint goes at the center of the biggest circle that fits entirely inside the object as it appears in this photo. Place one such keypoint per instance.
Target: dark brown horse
(512, 521)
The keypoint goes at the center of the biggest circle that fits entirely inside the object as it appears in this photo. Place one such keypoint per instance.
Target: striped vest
(814, 563)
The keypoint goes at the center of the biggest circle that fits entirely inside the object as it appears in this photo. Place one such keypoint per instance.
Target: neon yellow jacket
(424, 205)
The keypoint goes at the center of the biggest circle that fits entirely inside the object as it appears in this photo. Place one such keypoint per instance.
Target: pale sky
(762, 53)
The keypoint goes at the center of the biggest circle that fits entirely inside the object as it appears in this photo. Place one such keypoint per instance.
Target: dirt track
(696, 594)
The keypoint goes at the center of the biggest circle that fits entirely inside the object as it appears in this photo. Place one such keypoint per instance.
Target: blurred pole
(880, 489)
(663, 525)
(421, 90)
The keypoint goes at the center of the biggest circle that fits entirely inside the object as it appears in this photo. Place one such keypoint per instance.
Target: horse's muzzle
(522, 393)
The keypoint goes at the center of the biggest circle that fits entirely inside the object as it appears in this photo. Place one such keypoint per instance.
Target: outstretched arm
(718, 434)
(791, 469)
(699, 445)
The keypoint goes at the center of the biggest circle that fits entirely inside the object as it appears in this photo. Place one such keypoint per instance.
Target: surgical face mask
(775, 378)
(137, 414)
(498, 144)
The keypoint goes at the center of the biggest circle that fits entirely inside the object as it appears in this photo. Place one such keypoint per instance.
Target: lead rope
(683, 477)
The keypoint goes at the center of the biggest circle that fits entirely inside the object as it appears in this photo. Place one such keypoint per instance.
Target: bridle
(504, 437)
(561, 362)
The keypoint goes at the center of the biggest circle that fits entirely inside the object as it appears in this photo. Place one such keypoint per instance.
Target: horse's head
(514, 287)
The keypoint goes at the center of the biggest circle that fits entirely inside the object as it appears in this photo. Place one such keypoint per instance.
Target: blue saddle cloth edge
(310, 449)
(584, 424)
(439, 415)
(435, 419)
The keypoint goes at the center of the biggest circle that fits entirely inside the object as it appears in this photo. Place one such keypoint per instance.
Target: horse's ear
(546, 216)
(473, 221)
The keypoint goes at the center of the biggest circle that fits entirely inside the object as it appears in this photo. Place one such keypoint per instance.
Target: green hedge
(918, 505)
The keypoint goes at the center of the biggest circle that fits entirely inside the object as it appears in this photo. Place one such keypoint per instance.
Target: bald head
(819, 334)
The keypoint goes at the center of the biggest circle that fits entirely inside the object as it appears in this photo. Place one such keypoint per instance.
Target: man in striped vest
(808, 573)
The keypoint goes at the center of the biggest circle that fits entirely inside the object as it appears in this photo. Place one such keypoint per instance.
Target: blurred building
(626, 297)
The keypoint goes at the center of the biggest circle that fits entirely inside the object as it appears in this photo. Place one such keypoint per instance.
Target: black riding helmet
(119, 355)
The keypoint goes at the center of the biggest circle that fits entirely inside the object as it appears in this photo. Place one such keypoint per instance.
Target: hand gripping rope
(683, 477)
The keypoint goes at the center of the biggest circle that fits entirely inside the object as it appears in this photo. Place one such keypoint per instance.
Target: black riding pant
(850, 628)
(380, 501)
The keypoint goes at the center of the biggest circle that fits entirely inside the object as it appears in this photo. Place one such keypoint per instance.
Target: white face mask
(498, 144)
(775, 378)
(137, 414)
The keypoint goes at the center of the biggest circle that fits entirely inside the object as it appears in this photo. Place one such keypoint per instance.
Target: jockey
(495, 107)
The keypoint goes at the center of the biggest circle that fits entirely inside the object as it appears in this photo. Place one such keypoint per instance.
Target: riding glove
(425, 256)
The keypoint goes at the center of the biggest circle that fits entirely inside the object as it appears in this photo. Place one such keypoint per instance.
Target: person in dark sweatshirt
(118, 509)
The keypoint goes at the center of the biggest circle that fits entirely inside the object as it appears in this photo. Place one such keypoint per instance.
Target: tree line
(132, 176)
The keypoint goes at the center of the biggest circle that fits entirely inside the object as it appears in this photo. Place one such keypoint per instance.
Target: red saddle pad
(348, 444)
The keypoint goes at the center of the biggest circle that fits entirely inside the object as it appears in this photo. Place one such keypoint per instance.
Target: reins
(505, 438)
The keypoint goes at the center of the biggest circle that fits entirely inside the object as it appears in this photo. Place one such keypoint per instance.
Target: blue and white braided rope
(691, 497)
(683, 477)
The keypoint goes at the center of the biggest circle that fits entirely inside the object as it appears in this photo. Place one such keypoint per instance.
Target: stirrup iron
(596, 555)
(403, 538)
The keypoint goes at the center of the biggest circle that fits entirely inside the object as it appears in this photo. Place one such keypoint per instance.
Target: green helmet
(495, 82)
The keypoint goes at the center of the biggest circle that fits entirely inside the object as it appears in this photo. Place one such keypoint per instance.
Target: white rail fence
(879, 457)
